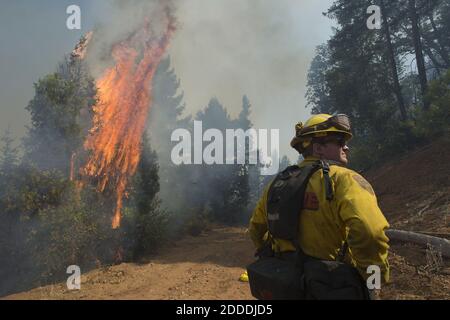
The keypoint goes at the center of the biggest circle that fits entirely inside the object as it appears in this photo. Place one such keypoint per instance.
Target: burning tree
(120, 117)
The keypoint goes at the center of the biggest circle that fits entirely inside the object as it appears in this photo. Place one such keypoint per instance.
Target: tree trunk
(391, 57)
(440, 244)
(428, 47)
(418, 50)
(444, 235)
(436, 64)
(442, 50)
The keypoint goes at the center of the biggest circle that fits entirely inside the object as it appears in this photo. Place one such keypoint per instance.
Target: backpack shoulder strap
(326, 175)
(285, 200)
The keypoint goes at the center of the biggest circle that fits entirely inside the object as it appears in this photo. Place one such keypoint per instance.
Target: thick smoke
(259, 48)
(123, 19)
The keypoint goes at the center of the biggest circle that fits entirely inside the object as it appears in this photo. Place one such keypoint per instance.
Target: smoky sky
(222, 49)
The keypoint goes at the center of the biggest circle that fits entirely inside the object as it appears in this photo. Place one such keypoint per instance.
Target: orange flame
(124, 93)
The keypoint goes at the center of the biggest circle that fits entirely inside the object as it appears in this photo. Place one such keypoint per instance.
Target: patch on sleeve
(311, 202)
(363, 183)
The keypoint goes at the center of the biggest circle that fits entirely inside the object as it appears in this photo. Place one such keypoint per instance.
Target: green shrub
(198, 220)
(144, 232)
(435, 121)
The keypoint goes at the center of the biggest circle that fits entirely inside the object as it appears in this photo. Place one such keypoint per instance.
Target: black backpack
(295, 275)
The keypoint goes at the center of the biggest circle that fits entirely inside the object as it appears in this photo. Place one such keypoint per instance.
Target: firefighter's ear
(317, 149)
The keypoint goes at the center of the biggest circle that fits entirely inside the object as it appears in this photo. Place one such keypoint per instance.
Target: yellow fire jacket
(352, 214)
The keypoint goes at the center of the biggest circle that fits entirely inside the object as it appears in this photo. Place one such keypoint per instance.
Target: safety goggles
(339, 121)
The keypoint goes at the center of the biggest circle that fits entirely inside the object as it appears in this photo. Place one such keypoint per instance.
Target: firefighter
(339, 215)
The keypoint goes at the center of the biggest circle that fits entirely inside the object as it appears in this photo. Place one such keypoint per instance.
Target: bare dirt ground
(204, 267)
(413, 192)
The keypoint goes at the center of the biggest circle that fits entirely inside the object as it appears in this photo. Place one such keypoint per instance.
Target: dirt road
(203, 267)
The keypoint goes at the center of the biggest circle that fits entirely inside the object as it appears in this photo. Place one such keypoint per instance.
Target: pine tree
(148, 178)
(165, 116)
(167, 108)
(244, 171)
(317, 94)
(149, 222)
(213, 185)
